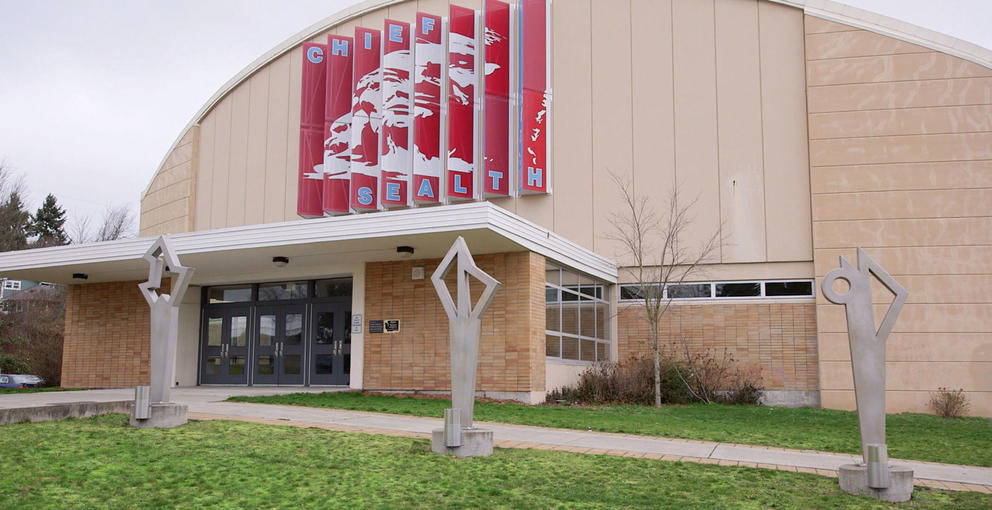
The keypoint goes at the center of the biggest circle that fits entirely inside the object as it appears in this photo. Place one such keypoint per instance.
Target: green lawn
(37, 390)
(909, 436)
(103, 463)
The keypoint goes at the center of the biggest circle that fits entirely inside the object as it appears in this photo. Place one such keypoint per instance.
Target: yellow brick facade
(776, 341)
(511, 350)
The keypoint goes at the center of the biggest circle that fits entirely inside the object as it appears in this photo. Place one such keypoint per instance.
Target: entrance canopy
(231, 254)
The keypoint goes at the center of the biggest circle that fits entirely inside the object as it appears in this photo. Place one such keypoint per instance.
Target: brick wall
(777, 340)
(511, 350)
(106, 336)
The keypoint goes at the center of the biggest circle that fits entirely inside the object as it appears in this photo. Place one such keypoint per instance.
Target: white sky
(93, 92)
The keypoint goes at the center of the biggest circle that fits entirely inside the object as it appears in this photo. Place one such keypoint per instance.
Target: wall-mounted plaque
(375, 327)
(392, 326)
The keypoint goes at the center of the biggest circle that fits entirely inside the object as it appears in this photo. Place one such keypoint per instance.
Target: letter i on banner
(461, 103)
(496, 149)
(311, 176)
(366, 120)
(397, 90)
(337, 126)
(536, 104)
(427, 157)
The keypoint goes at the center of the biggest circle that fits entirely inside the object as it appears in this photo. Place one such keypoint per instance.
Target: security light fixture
(80, 276)
(404, 251)
(280, 261)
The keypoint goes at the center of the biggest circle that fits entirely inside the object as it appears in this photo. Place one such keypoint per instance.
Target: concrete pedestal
(853, 479)
(475, 443)
(164, 415)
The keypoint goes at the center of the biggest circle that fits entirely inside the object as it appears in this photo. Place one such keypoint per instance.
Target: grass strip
(37, 390)
(102, 463)
(909, 435)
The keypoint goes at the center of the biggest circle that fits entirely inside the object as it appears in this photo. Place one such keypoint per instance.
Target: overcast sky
(93, 92)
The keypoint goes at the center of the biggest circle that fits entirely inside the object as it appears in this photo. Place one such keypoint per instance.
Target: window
(229, 294)
(577, 317)
(723, 290)
(12, 285)
(283, 290)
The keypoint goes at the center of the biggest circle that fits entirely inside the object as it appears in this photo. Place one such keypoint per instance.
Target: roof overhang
(234, 254)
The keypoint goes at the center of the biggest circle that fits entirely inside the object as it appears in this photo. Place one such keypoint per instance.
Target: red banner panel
(536, 99)
(427, 160)
(397, 92)
(337, 125)
(461, 103)
(366, 120)
(311, 169)
(496, 105)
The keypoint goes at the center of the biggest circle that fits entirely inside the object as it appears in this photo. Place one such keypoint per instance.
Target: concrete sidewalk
(206, 403)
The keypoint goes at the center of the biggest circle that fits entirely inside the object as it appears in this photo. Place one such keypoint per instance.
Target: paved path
(206, 403)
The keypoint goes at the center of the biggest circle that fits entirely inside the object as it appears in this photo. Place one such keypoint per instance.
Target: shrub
(627, 382)
(949, 403)
(14, 364)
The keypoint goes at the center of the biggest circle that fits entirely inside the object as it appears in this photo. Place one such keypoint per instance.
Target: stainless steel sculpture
(164, 321)
(464, 323)
(868, 364)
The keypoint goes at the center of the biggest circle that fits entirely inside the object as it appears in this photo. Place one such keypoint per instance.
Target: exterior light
(404, 252)
(80, 276)
(280, 261)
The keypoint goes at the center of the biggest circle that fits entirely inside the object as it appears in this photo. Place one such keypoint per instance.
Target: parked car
(20, 381)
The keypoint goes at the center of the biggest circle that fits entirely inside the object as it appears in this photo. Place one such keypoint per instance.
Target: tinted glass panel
(570, 319)
(587, 320)
(266, 330)
(324, 365)
(689, 290)
(569, 348)
(237, 365)
(552, 346)
(239, 331)
(325, 328)
(334, 287)
(229, 294)
(347, 328)
(602, 351)
(291, 364)
(788, 288)
(550, 295)
(601, 310)
(595, 291)
(552, 318)
(282, 290)
(266, 365)
(738, 289)
(212, 365)
(552, 275)
(294, 328)
(214, 328)
(347, 363)
(588, 350)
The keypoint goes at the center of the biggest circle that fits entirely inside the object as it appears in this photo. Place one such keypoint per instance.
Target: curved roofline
(826, 9)
(337, 18)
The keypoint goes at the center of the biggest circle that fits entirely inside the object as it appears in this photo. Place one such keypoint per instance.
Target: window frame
(713, 297)
(578, 287)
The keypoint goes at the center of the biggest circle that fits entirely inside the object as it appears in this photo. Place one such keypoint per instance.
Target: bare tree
(79, 230)
(118, 223)
(662, 259)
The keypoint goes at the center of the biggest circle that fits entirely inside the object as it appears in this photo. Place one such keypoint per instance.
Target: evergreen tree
(47, 224)
(14, 223)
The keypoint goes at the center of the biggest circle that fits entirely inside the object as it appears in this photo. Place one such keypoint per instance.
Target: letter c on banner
(315, 54)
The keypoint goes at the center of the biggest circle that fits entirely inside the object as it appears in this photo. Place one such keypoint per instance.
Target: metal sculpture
(464, 323)
(868, 355)
(162, 260)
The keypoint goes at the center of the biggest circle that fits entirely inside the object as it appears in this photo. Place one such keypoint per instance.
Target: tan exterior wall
(167, 205)
(709, 93)
(776, 341)
(511, 349)
(106, 336)
(900, 150)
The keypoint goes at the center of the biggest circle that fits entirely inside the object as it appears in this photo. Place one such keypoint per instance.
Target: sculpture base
(475, 443)
(853, 479)
(164, 415)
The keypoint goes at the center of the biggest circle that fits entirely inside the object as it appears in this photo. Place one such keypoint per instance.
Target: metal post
(452, 428)
(142, 403)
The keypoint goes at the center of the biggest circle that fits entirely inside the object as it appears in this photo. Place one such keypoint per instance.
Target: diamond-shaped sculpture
(464, 322)
(162, 260)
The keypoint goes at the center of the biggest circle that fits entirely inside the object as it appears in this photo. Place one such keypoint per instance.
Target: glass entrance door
(225, 351)
(279, 346)
(330, 362)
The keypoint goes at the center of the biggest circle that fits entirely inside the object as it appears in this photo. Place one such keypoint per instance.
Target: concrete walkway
(207, 403)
